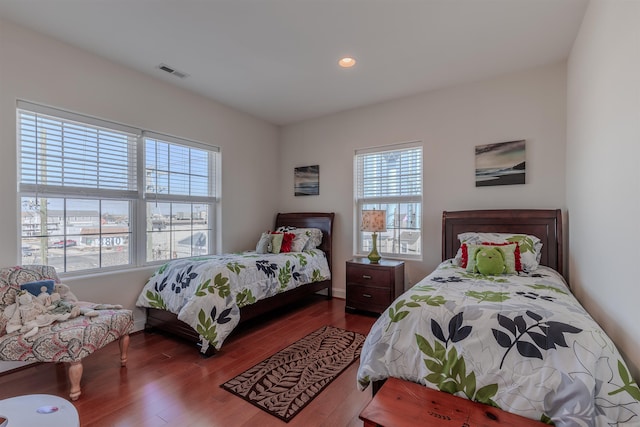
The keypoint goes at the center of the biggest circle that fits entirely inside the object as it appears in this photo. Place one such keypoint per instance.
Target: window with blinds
(180, 192)
(83, 197)
(390, 179)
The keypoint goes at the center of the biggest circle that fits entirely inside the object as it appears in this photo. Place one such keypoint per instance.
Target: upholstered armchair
(67, 341)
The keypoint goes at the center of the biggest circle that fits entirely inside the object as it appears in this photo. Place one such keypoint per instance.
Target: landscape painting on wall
(307, 181)
(500, 164)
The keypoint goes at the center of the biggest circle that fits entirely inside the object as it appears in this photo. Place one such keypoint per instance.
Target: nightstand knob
(366, 295)
(365, 276)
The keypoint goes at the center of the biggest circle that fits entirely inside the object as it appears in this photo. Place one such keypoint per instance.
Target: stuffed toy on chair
(489, 261)
(65, 292)
(55, 304)
(28, 314)
(66, 296)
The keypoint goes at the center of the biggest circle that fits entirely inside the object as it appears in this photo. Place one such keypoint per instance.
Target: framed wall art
(306, 181)
(500, 164)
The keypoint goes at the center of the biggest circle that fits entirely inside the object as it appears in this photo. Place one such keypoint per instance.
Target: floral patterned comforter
(522, 343)
(207, 292)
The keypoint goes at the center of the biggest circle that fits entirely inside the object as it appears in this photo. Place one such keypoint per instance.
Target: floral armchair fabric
(67, 341)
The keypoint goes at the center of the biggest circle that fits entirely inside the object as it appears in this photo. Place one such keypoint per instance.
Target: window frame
(136, 195)
(362, 202)
(211, 201)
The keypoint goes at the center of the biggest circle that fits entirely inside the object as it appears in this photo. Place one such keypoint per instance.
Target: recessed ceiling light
(347, 62)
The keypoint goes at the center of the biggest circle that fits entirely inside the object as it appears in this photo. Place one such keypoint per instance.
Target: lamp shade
(374, 220)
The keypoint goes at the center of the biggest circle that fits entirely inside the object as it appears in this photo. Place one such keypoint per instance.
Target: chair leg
(75, 375)
(124, 348)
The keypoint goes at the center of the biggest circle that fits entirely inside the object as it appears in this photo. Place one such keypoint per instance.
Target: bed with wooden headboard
(166, 321)
(519, 340)
(546, 224)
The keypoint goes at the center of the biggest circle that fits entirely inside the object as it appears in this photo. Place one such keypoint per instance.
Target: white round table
(38, 410)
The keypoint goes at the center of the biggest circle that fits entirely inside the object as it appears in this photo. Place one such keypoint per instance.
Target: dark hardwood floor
(167, 382)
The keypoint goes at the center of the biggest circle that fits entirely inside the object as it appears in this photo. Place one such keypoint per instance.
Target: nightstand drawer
(368, 298)
(368, 276)
(373, 287)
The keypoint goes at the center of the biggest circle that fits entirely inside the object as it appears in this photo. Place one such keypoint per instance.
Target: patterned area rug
(286, 382)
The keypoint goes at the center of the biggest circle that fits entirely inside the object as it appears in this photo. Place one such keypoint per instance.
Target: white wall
(451, 122)
(38, 69)
(603, 169)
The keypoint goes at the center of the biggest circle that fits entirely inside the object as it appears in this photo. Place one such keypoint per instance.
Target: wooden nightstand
(373, 287)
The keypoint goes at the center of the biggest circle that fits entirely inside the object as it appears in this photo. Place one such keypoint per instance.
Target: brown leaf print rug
(283, 384)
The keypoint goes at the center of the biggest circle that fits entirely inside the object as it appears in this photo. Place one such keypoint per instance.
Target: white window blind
(63, 156)
(179, 169)
(389, 174)
(390, 179)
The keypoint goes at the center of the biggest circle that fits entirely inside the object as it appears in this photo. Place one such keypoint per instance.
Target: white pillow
(264, 245)
(530, 246)
(299, 242)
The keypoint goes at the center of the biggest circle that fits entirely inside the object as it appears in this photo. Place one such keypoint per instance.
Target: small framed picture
(500, 164)
(306, 181)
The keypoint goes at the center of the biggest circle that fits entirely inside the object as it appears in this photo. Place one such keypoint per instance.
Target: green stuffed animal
(489, 261)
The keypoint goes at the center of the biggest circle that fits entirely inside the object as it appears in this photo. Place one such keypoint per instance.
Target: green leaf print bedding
(208, 292)
(521, 343)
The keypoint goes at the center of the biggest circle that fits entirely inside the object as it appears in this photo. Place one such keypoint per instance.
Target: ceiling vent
(170, 70)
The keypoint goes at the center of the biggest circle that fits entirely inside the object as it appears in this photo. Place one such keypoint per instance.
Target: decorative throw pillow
(462, 256)
(287, 239)
(530, 246)
(464, 248)
(276, 242)
(508, 250)
(315, 238)
(35, 288)
(299, 242)
(264, 244)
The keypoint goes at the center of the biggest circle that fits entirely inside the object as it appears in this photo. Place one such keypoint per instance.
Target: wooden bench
(405, 404)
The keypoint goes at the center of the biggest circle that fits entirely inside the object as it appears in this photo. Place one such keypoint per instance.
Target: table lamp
(374, 221)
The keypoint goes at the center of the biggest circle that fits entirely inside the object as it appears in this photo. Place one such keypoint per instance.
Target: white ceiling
(277, 59)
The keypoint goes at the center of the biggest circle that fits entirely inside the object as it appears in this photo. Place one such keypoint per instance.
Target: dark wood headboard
(546, 224)
(321, 220)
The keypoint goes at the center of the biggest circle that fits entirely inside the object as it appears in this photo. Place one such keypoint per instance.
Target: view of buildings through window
(177, 230)
(178, 182)
(81, 202)
(80, 234)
